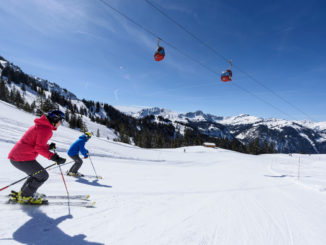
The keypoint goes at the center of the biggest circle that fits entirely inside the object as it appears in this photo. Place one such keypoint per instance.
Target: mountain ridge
(287, 135)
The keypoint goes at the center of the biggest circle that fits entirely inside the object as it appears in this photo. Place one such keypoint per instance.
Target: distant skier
(23, 155)
(73, 152)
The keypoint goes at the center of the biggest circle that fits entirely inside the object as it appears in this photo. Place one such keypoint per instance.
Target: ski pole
(64, 182)
(93, 166)
(28, 176)
(63, 164)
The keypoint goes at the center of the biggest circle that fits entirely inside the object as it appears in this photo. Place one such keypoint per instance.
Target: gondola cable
(225, 59)
(188, 56)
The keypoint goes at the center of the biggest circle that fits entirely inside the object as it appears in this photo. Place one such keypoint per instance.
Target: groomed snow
(184, 196)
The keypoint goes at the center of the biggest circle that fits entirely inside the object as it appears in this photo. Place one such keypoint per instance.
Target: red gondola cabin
(226, 76)
(159, 54)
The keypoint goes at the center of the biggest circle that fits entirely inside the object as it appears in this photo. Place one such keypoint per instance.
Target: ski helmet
(88, 135)
(55, 116)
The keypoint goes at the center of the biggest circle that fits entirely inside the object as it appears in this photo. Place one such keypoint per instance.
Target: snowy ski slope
(168, 196)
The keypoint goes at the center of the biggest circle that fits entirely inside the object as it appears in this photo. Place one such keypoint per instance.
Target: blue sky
(86, 47)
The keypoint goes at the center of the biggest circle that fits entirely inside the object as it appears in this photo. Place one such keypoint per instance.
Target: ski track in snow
(166, 197)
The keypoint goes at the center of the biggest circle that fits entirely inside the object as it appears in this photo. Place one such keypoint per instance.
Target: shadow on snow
(42, 229)
(277, 176)
(284, 175)
(93, 182)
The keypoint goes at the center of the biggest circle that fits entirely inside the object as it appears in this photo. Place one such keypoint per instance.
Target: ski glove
(58, 159)
(52, 146)
(87, 154)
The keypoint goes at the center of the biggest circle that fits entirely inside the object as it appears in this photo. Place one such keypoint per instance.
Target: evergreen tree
(98, 133)
(272, 148)
(75, 109)
(80, 124)
(146, 140)
(97, 107)
(26, 107)
(18, 99)
(123, 134)
(4, 92)
(187, 139)
(255, 147)
(234, 146)
(12, 95)
(24, 88)
(34, 86)
(265, 147)
(72, 121)
(198, 140)
(125, 138)
(67, 115)
(47, 106)
(33, 106)
(158, 141)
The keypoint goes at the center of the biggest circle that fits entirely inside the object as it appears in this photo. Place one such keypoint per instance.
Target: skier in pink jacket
(23, 155)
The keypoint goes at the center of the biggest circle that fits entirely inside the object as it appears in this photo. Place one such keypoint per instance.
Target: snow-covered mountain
(287, 136)
(30, 95)
(196, 120)
(50, 86)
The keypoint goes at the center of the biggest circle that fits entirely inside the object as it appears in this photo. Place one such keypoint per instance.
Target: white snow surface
(184, 196)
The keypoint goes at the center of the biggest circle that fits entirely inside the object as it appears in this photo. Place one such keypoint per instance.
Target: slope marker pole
(299, 166)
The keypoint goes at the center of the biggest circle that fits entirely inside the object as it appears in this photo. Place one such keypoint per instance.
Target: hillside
(168, 196)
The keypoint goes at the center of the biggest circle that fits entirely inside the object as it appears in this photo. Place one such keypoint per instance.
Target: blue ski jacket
(78, 146)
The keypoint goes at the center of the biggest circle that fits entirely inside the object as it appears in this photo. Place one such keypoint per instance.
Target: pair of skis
(54, 200)
(87, 176)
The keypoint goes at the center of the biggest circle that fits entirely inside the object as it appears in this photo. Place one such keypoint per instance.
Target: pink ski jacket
(34, 142)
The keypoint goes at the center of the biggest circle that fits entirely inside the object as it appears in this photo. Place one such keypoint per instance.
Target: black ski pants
(35, 181)
(77, 165)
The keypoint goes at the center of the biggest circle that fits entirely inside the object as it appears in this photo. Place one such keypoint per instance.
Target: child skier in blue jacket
(73, 152)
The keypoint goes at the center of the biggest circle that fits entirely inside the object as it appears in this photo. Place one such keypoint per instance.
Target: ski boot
(14, 195)
(75, 174)
(35, 199)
